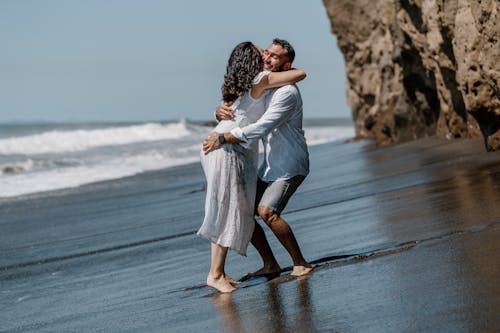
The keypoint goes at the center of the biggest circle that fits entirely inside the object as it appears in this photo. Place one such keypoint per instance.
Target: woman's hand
(211, 143)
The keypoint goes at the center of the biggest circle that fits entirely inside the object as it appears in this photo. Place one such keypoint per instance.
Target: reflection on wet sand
(304, 318)
(271, 312)
(460, 197)
(228, 312)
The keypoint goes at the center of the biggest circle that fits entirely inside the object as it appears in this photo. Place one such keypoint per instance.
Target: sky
(152, 60)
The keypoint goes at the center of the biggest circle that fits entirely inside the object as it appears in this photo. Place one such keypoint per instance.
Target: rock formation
(421, 67)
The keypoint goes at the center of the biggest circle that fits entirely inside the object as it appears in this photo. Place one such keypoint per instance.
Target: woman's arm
(277, 79)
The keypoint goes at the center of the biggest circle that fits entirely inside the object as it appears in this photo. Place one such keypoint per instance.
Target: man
(286, 161)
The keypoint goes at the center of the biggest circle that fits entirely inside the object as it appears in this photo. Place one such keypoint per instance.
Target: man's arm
(215, 141)
(278, 111)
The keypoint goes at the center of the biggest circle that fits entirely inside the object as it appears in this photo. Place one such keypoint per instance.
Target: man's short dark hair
(287, 46)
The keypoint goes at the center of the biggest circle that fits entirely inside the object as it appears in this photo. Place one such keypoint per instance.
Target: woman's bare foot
(220, 283)
(301, 270)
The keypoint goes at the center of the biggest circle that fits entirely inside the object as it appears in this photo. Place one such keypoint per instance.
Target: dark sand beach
(403, 239)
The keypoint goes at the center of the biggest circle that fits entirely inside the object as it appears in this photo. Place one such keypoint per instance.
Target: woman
(231, 171)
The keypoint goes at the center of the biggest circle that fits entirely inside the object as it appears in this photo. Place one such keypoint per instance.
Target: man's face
(276, 59)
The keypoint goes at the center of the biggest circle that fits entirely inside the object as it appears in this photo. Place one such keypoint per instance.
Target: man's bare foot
(301, 270)
(220, 283)
(232, 281)
(264, 271)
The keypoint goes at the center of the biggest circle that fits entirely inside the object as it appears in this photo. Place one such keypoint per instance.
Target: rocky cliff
(421, 67)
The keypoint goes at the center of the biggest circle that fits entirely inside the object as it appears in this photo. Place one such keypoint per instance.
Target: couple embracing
(260, 101)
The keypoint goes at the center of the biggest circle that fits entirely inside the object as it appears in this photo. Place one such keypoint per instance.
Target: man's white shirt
(280, 128)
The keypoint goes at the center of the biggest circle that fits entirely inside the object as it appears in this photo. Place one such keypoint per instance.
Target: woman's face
(276, 59)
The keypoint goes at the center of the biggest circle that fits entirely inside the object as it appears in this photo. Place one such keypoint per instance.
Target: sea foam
(80, 140)
(60, 157)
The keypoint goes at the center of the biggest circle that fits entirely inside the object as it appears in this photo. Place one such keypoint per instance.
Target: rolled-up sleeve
(278, 111)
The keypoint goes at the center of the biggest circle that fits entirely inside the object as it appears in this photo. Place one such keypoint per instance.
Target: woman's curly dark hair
(243, 65)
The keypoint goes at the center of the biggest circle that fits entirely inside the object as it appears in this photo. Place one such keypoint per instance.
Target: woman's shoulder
(259, 77)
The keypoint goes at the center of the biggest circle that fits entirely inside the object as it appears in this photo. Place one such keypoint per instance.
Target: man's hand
(224, 112)
(211, 143)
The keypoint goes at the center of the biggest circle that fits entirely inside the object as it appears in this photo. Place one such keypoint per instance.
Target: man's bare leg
(259, 241)
(216, 277)
(286, 237)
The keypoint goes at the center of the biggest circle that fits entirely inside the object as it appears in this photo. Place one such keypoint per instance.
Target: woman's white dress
(231, 173)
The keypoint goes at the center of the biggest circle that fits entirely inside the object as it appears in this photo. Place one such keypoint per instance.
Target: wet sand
(403, 239)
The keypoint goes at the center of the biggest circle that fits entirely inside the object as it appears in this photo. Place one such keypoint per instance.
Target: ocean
(40, 157)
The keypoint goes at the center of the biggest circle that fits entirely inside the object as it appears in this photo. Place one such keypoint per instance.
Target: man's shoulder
(289, 89)
(287, 95)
